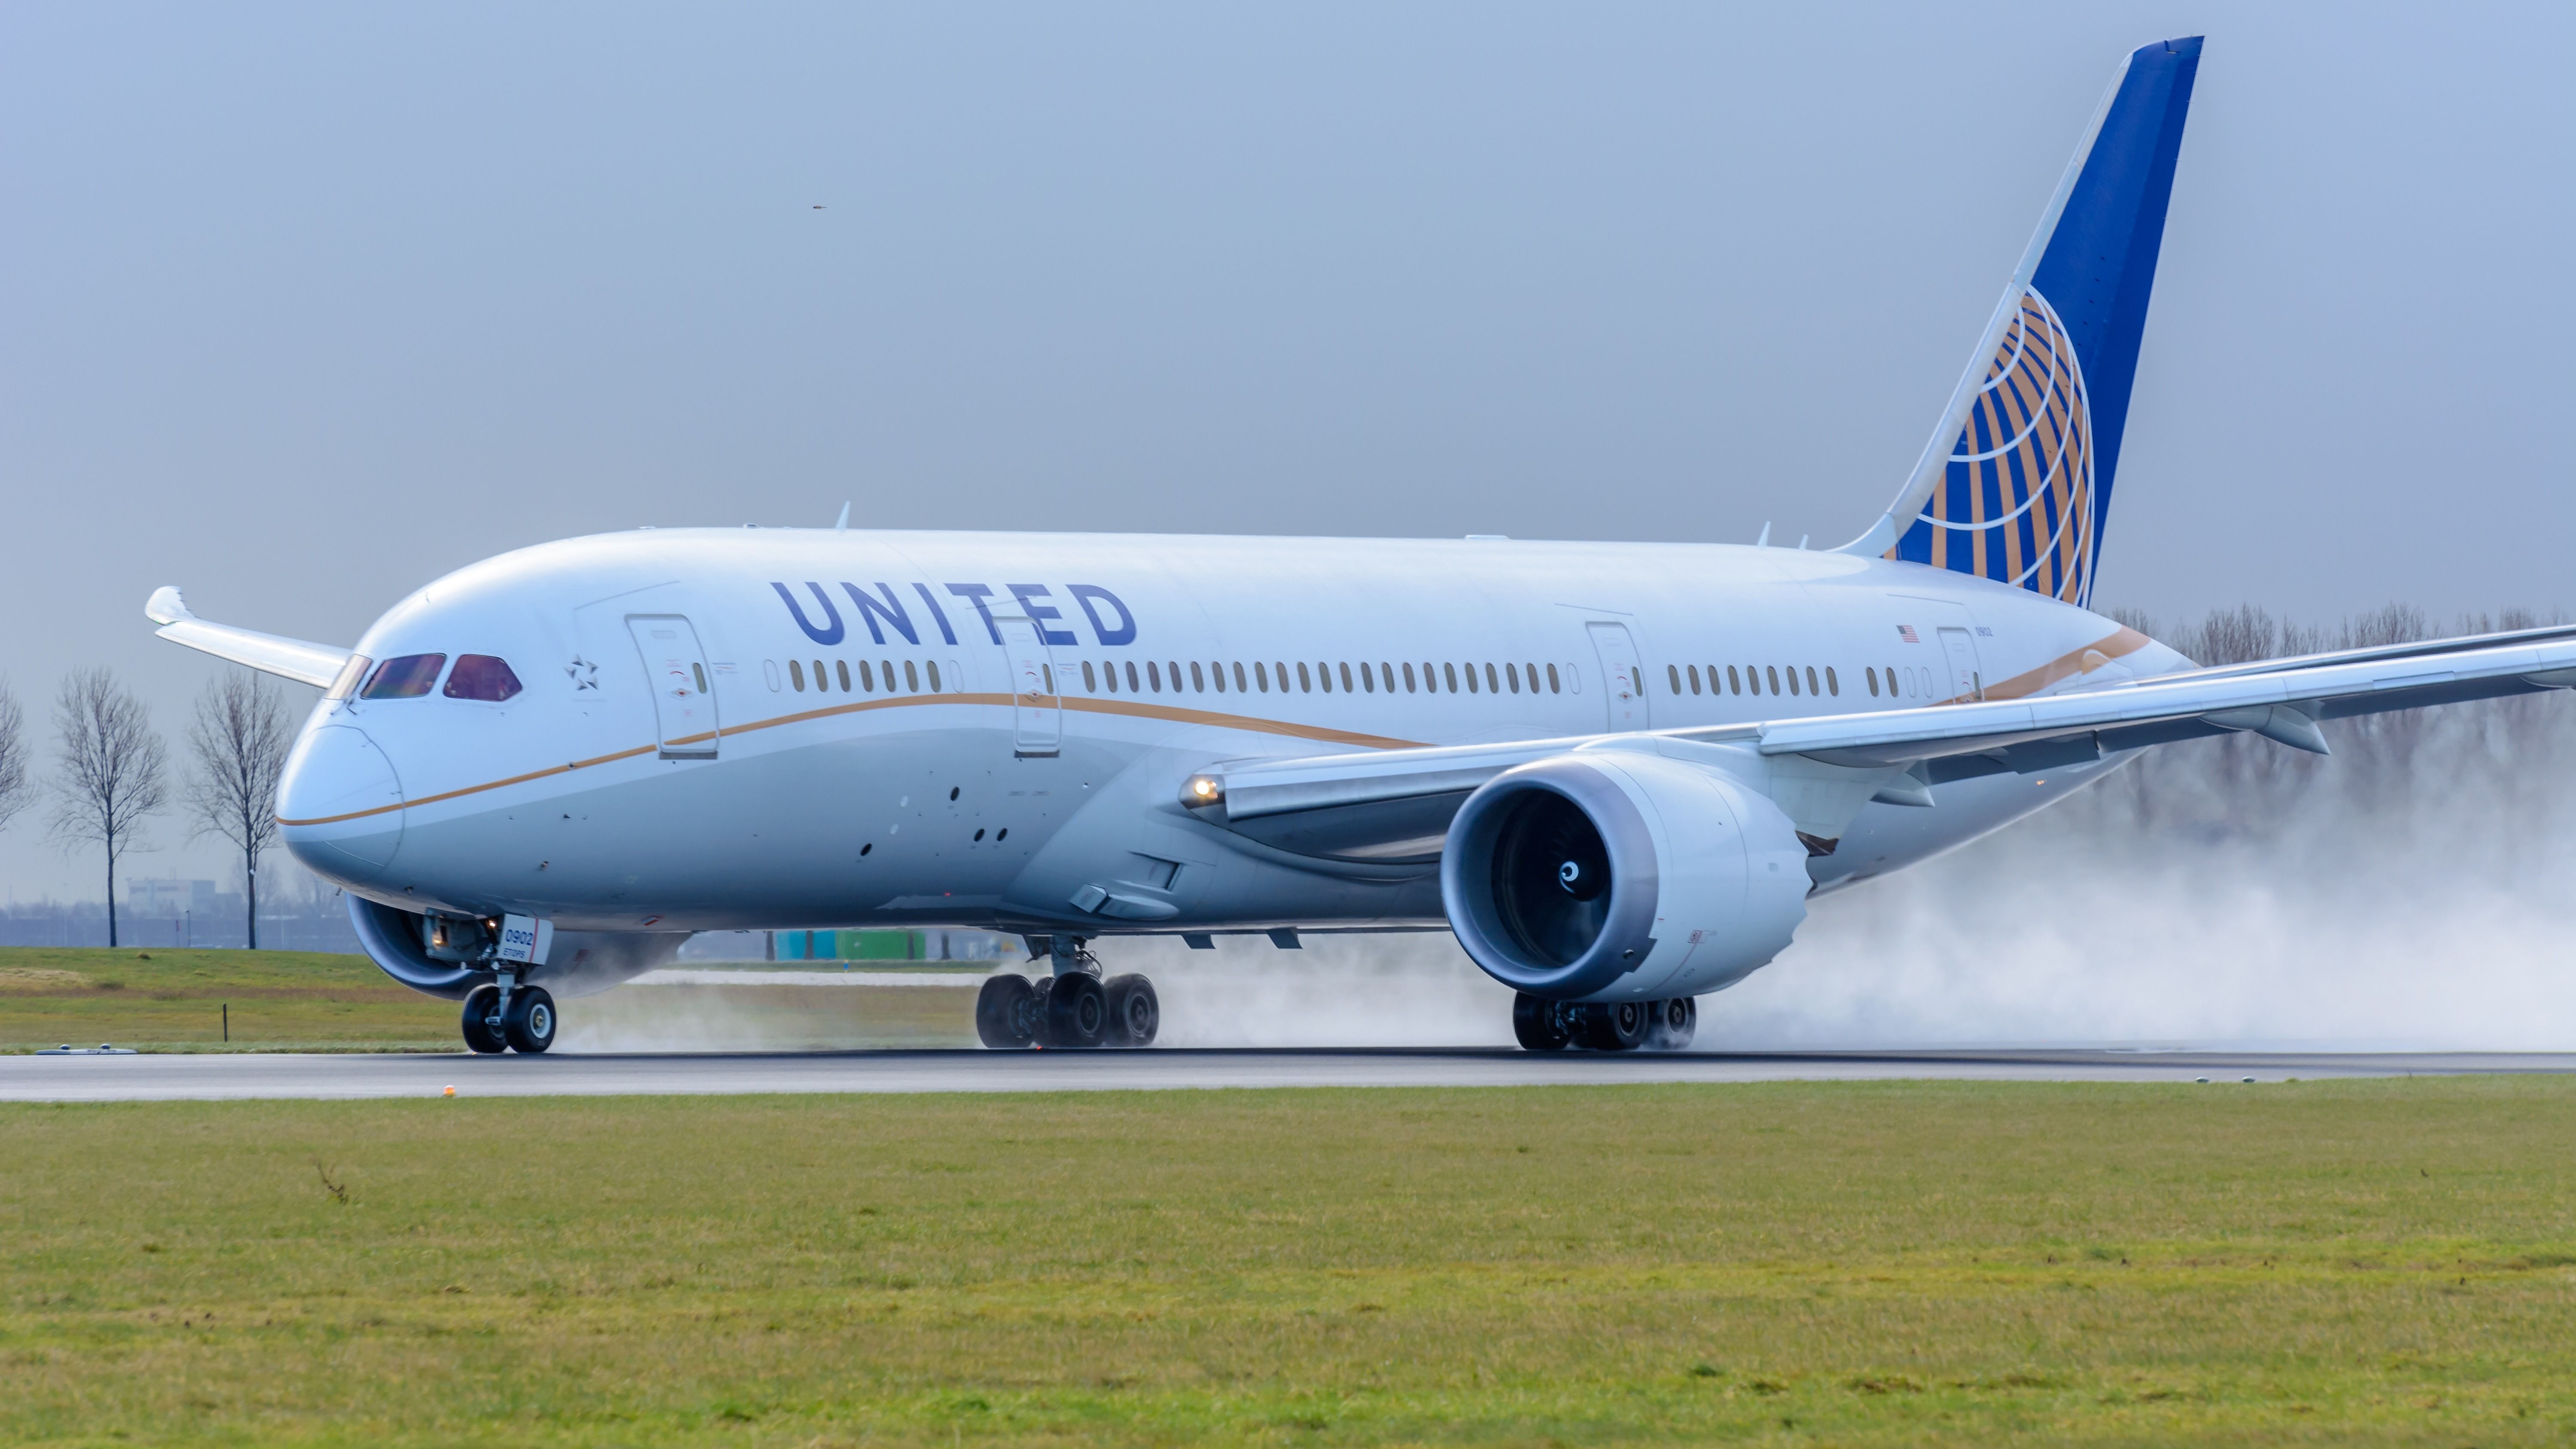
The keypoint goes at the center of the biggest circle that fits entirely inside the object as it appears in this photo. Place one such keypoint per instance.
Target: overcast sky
(304, 307)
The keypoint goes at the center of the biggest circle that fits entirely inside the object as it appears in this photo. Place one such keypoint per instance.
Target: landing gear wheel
(1135, 1014)
(1670, 1024)
(1077, 1011)
(530, 1021)
(1540, 1024)
(483, 1035)
(1614, 1026)
(1006, 1012)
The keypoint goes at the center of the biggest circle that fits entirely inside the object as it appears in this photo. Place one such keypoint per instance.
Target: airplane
(1616, 772)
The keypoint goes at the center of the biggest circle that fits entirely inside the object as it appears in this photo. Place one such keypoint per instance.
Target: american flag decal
(1906, 633)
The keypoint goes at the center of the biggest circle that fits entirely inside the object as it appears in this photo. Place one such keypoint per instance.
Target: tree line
(112, 771)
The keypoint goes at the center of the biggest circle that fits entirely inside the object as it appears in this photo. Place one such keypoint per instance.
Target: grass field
(158, 1000)
(2326, 1263)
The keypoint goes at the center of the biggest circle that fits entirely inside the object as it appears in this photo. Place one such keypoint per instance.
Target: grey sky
(304, 307)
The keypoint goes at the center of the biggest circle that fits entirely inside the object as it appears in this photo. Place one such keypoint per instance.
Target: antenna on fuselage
(842, 523)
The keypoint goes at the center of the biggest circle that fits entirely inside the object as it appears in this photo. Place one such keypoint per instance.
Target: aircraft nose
(340, 804)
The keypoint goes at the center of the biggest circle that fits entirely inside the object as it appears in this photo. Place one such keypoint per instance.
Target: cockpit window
(481, 676)
(408, 676)
(350, 674)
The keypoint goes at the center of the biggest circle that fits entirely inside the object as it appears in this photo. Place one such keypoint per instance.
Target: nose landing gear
(503, 1014)
(1073, 1009)
(1606, 1026)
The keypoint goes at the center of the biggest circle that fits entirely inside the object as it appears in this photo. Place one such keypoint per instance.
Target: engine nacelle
(577, 964)
(1621, 875)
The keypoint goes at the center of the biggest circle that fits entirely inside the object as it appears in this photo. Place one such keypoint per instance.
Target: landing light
(1203, 790)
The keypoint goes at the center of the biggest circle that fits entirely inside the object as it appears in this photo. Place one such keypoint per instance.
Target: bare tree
(115, 770)
(240, 739)
(14, 788)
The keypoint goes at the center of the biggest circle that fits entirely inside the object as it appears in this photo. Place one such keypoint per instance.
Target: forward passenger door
(675, 668)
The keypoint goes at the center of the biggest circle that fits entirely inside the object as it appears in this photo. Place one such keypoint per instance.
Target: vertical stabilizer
(2016, 481)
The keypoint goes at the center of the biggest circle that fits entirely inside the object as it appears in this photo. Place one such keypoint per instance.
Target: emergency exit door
(1959, 652)
(1623, 677)
(675, 667)
(1037, 709)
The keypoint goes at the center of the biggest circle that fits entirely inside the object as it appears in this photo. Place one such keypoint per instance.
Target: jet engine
(1621, 875)
(447, 955)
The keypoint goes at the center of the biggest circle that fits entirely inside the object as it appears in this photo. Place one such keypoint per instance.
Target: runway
(179, 1077)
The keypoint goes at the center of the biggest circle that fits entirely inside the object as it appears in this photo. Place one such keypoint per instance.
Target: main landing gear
(1604, 1026)
(1075, 1008)
(506, 1015)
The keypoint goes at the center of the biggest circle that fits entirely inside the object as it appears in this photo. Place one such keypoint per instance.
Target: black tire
(1135, 1013)
(1006, 1012)
(1614, 1026)
(1540, 1024)
(483, 1035)
(530, 1022)
(1671, 1024)
(1077, 1011)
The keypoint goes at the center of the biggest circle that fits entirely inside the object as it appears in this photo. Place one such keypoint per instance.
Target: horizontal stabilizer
(297, 659)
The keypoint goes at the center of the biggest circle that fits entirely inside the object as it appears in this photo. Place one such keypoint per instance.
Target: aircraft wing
(305, 663)
(1395, 804)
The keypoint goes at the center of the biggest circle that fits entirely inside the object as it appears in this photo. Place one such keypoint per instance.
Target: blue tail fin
(2016, 482)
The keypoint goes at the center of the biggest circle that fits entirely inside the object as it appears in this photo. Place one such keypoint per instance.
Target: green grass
(163, 1000)
(2341, 1263)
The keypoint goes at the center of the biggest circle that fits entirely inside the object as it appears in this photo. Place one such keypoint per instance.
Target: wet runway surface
(182, 1076)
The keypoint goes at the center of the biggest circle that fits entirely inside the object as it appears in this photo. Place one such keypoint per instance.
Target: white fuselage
(685, 754)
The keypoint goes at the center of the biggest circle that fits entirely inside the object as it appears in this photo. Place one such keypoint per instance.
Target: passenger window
(867, 678)
(1492, 685)
(1172, 667)
(1088, 684)
(1324, 676)
(1408, 678)
(1451, 670)
(1131, 677)
(1870, 673)
(1346, 677)
(933, 667)
(1368, 682)
(1694, 679)
(1733, 684)
(1772, 672)
(1153, 676)
(1674, 673)
(796, 675)
(483, 677)
(1811, 681)
(842, 668)
(1551, 681)
(768, 671)
(1305, 685)
(1471, 679)
(1238, 677)
(1261, 676)
(1512, 676)
(1198, 680)
(1793, 679)
(1833, 686)
(911, 678)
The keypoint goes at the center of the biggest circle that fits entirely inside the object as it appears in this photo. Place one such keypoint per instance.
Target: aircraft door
(1037, 710)
(1623, 678)
(684, 701)
(1959, 650)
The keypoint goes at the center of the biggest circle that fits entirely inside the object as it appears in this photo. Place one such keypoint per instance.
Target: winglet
(165, 606)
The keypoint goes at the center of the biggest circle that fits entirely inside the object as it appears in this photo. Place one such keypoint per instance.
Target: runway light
(450, 1092)
(2204, 1081)
(2249, 1081)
